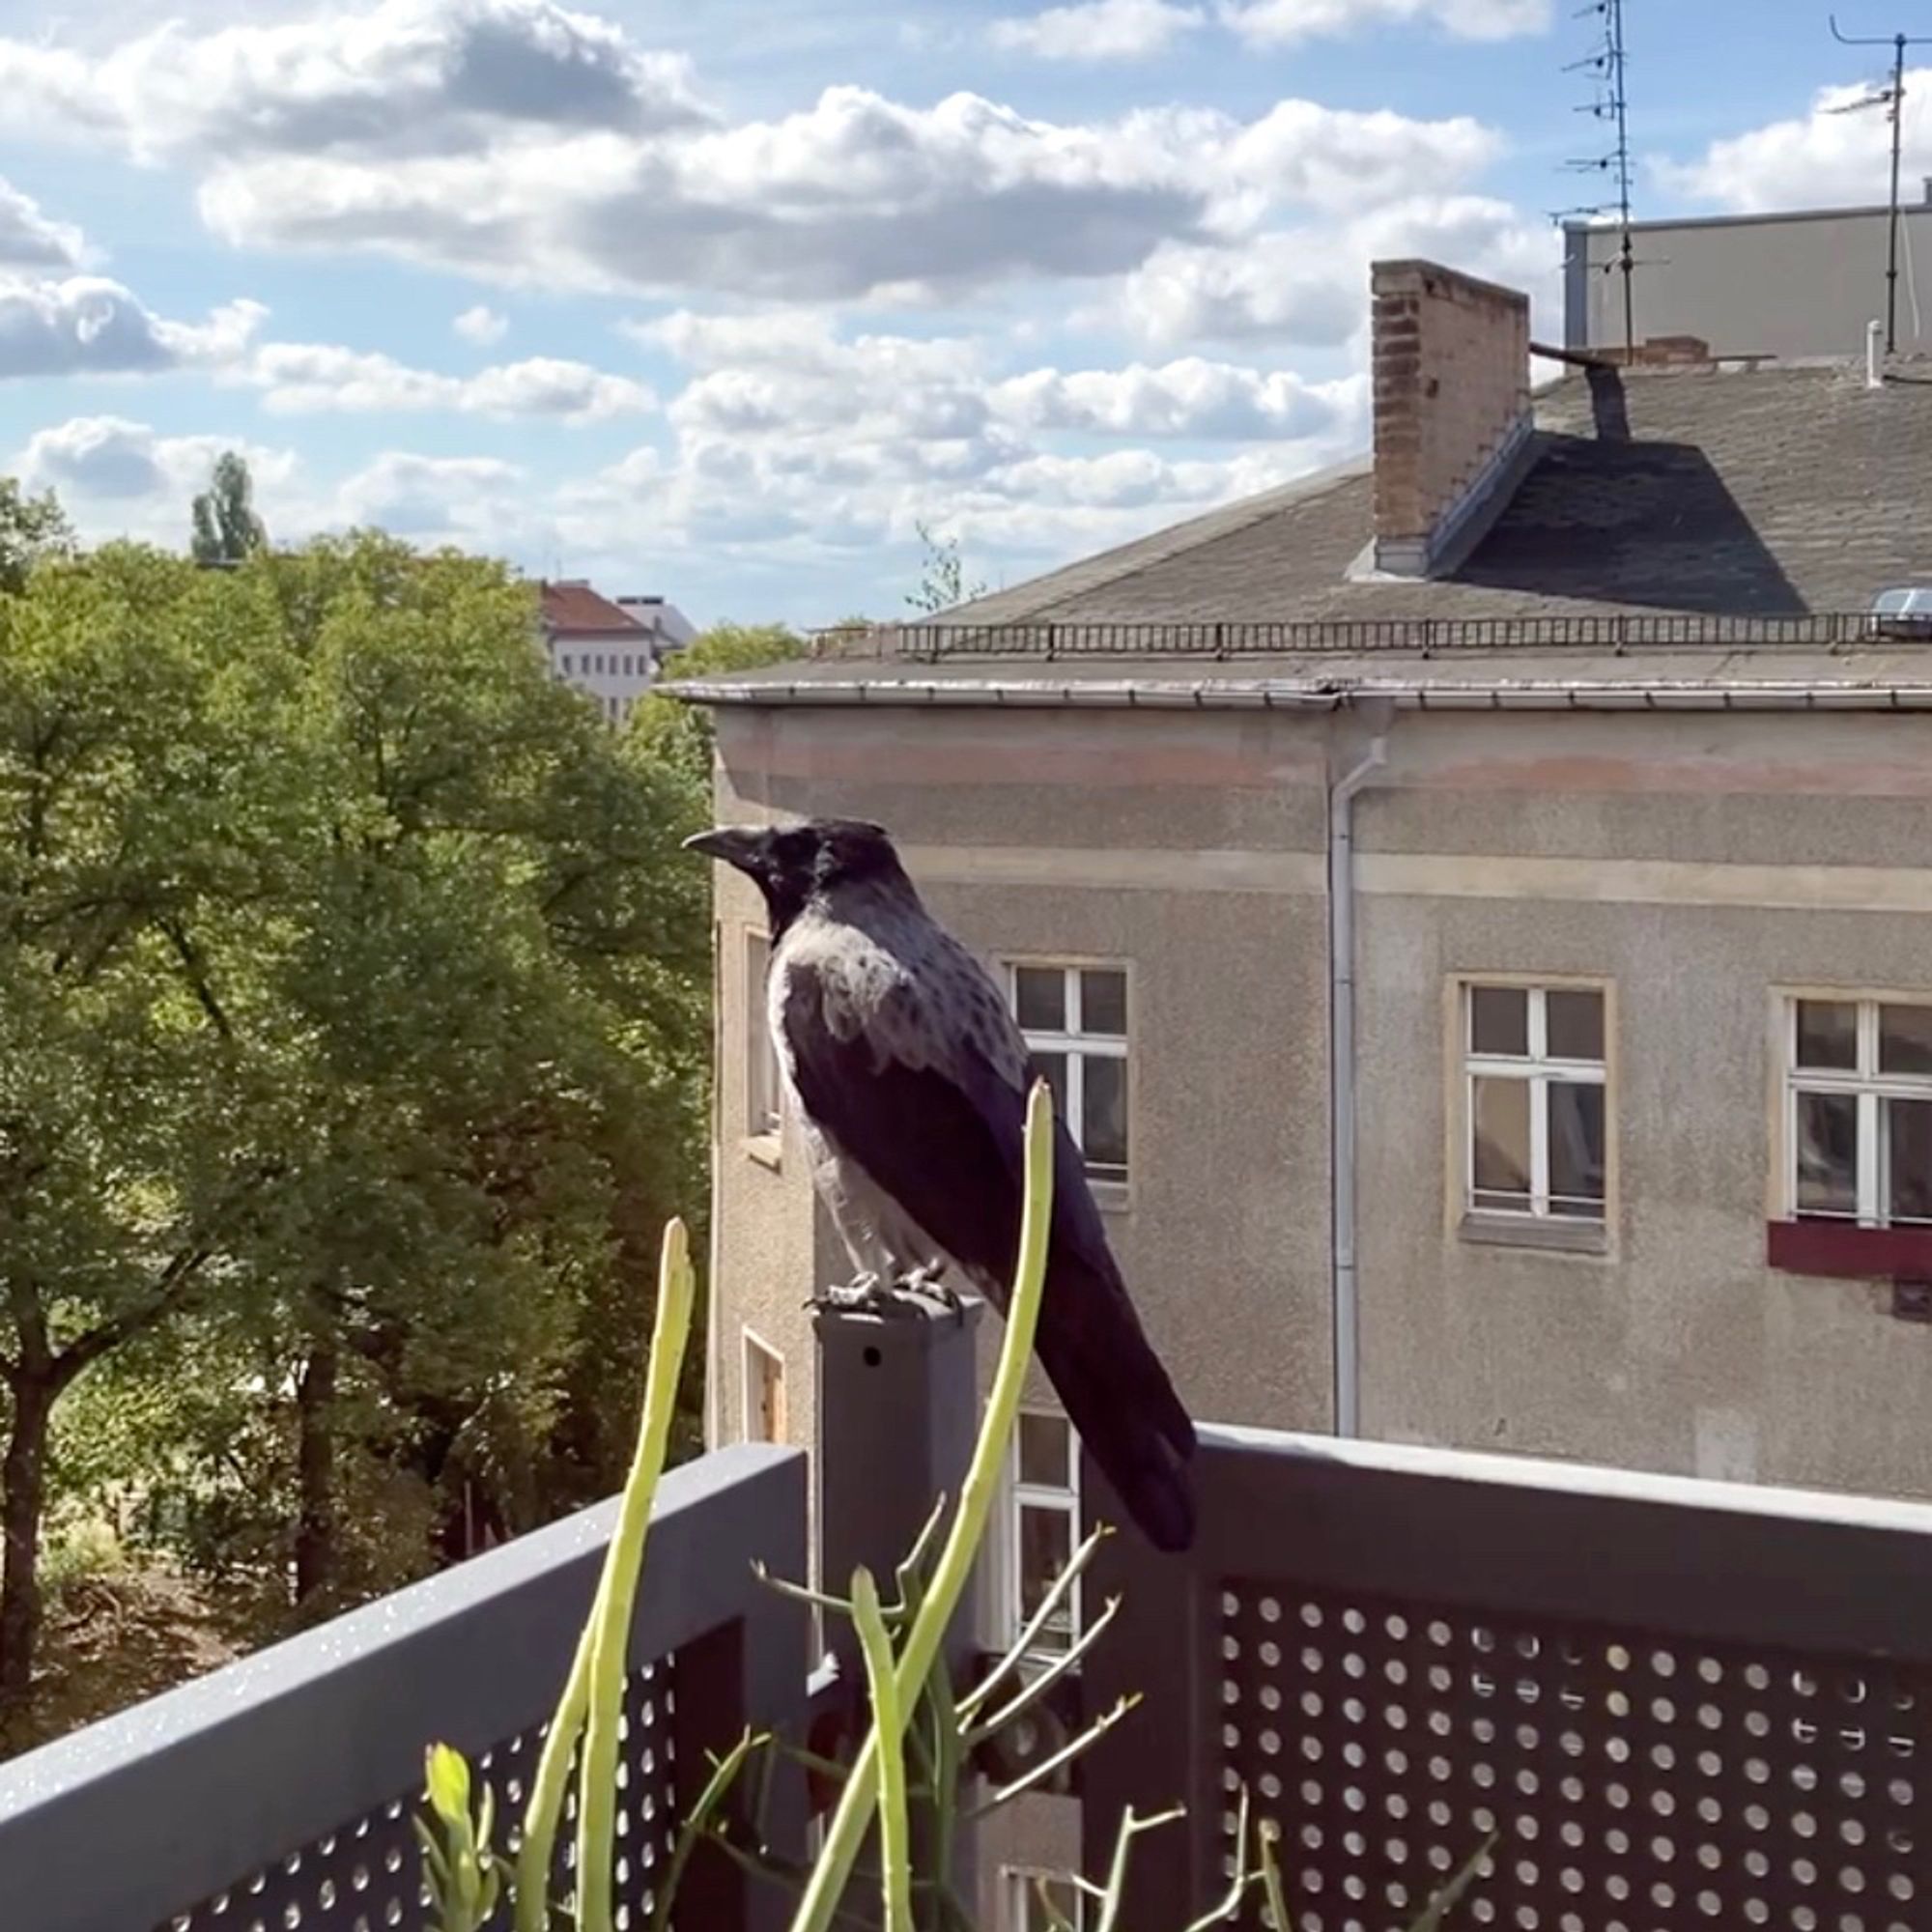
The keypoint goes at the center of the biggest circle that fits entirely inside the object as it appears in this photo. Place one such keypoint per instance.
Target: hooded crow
(911, 1079)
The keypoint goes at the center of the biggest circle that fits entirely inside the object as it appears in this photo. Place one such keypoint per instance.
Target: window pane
(1828, 1032)
(1576, 1149)
(1498, 1019)
(1047, 1546)
(1500, 1126)
(1040, 996)
(1046, 1451)
(1574, 1024)
(1905, 1040)
(1827, 1154)
(1104, 1125)
(1103, 1004)
(1908, 1160)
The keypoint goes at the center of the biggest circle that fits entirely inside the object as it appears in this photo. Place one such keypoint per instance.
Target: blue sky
(723, 301)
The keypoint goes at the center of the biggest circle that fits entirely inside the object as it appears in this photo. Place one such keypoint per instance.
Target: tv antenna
(1610, 106)
(1892, 98)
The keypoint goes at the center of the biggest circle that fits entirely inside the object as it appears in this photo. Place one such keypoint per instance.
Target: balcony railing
(1670, 1704)
(941, 641)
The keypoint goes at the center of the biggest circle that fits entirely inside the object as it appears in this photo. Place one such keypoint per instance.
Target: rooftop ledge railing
(1670, 1704)
(940, 641)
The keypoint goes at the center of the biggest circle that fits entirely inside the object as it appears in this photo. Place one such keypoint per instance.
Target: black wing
(946, 1139)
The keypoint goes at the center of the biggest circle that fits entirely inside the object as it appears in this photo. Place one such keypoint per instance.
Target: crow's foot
(905, 1296)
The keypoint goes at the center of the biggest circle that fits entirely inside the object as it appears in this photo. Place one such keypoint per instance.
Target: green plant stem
(889, 1727)
(553, 1779)
(847, 1829)
(610, 1626)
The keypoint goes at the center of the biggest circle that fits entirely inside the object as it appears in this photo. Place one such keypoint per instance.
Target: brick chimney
(1451, 368)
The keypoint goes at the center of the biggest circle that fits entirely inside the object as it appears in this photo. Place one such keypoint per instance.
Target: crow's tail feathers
(1118, 1397)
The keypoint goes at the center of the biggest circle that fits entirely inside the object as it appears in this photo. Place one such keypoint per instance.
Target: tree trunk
(25, 1480)
(314, 1456)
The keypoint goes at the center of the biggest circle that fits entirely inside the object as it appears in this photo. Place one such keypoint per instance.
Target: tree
(226, 527)
(31, 528)
(352, 1023)
(942, 578)
(669, 731)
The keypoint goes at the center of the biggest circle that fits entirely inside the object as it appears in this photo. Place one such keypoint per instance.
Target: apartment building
(1475, 905)
(608, 649)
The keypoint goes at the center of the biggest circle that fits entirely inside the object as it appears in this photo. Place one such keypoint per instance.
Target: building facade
(608, 649)
(1799, 284)
(1476, 909)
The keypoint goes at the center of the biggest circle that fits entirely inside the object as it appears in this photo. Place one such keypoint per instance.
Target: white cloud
(118, 474)
(510, 139)
(481, 324)
(306, 377)
(1290, 288)
(1279, 22)
(87, 325)
(1216, 401)
(1826, 158)
(31, 239)
(432, 498)
(1309, 287)
(1097, 30)
(404, 77)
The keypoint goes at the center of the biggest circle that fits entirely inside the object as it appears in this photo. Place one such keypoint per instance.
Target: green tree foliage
(31, 527)
(666, 730)
(226, 526)
(352, 1037)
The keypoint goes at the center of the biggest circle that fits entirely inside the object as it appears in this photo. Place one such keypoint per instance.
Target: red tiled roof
(576, 607)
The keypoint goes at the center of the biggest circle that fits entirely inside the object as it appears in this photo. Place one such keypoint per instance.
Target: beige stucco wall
(1206, 836)
(1697, 863)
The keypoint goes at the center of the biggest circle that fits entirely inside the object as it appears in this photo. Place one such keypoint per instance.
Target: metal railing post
(898, 1410)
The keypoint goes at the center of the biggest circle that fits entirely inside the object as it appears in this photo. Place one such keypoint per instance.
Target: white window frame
(1542, 1070)
(1077, 1045)
(762, 1362)
(1060, 1500)
(764, 1085)
(1868, 1086)
(1020, 1907)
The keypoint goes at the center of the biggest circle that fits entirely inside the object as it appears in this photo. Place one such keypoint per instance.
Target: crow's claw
(902, 1298)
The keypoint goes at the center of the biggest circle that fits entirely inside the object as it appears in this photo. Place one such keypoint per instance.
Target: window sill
(1112, 1197)
(1841, 1252)
(1547, 1236)
(767, 1150)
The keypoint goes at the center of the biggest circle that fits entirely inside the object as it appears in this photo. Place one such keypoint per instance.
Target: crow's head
(791, 864)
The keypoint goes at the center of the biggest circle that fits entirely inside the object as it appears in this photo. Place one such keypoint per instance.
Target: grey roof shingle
(1756, 492)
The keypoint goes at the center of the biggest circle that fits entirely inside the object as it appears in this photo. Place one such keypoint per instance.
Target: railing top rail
(1797, 1568)
(284, 1746)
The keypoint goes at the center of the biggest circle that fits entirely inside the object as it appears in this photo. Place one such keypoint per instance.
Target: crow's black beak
(739, 845)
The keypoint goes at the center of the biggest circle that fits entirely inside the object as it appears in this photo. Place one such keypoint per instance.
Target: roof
(575, 607)
(1765, 491)
(1889, 677)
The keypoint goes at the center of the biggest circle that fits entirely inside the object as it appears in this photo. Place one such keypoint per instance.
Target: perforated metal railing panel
(1633, 1783)
(366, 1876)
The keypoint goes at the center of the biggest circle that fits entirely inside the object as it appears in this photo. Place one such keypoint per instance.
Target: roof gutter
(1323, 694)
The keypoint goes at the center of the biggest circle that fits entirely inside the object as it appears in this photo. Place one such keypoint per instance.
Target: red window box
(1846, 1251)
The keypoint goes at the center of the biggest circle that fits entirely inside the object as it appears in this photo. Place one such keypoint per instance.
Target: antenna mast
(1892, 98)
(1610, 105)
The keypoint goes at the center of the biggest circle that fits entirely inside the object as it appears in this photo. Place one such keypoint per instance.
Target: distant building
(1798, 284)
(609, 648)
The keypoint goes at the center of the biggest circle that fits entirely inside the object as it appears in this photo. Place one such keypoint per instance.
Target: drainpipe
(1345, 1287)
(1874, 379)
